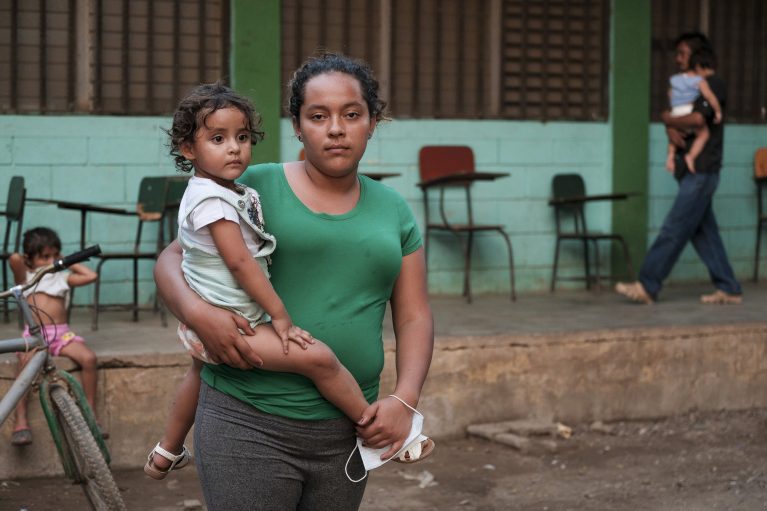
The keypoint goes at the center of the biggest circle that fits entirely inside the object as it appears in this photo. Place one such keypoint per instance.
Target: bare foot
(634, 291)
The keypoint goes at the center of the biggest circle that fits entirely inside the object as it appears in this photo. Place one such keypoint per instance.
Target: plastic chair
(175, 190)
(569, 200)
(151, 207)
(443, 167)
(760, 178)
(14, 215)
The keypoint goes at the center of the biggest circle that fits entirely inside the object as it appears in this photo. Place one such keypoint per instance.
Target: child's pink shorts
(58, 337)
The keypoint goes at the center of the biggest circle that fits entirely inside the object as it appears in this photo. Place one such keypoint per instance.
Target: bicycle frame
(42, 368)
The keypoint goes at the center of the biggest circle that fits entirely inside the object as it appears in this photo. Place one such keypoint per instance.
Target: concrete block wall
(101, 160)
(532, 152)
(95, 160)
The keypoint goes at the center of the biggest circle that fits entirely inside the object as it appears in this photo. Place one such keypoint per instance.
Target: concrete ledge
(569, 377)
(601, 375)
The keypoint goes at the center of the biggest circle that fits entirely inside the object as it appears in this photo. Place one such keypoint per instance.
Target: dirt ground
(704, 461)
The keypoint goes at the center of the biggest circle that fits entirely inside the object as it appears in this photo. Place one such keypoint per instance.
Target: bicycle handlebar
(65, 262)
(77, 257)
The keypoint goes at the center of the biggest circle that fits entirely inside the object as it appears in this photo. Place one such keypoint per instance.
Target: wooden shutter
(109, 56)
(736, 31)
(440, 58)
(351, 27)
(149, 53)
(37, 52)
(555, 59)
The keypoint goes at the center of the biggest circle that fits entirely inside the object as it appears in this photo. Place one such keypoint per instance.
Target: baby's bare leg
(20, 417)
(181, 417)
(86, 359)
(671, 153)
(318, 363)
(701, 137)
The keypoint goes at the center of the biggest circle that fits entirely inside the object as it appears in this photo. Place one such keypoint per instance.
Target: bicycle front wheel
(97, 480)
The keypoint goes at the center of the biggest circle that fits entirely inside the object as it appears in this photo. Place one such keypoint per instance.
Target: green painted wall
(629, 117)
(84, 159)
(532, 152)
(255, 64)
(101, 159)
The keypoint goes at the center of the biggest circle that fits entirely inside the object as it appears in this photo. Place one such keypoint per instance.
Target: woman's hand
(219, 331)
(386, 422)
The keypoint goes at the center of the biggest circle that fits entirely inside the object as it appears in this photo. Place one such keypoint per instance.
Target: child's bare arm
(240, 262)
(80, 275)
(18, 267)
(707, 93)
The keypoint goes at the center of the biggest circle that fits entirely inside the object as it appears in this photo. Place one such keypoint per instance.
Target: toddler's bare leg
(181, 416)
(20, 414)
(86, 359)
(670, 165)
(318, 363)
(701, 137)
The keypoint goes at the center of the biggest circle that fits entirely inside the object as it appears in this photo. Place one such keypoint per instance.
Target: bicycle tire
(95, 476)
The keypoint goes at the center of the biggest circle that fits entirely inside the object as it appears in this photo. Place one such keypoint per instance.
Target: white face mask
(371, 458)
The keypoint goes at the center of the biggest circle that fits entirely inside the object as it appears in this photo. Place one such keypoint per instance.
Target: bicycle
(78, 439)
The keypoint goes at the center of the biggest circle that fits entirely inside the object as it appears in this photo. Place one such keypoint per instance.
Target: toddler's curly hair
(194, 109)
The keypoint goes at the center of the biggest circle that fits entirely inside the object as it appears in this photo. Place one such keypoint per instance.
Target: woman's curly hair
(335, 62)
(193, 111)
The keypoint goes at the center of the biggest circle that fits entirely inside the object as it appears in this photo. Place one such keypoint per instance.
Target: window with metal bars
(351, 27)
(736, 31)
(470, 59)
(555, 59)
(129, 57)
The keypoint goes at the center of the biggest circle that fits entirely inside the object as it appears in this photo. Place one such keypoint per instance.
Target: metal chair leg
(511, 264)
(96, 295)
(467, 267)
(597, 282)
(6, 302)
(135, 290)
(586, 263)
(758, 244)
(556, 263)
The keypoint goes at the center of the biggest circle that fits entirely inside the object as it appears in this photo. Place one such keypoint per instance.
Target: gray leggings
(251, 460)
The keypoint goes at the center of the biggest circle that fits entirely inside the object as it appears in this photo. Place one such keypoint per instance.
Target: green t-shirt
(335, 274)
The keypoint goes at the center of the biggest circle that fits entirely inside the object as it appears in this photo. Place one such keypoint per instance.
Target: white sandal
(177, 461)
(416, 447)
(418, 450)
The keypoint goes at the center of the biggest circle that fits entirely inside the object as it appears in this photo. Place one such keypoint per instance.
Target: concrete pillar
(630, 119)
(255, 66)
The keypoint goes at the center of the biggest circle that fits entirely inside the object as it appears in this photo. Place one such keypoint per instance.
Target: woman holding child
(346, 246)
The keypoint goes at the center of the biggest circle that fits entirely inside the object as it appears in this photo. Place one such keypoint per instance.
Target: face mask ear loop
(404, 403)
(356, 447)
(346, 468)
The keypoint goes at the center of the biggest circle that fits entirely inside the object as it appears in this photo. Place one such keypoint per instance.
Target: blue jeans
(691, 219)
